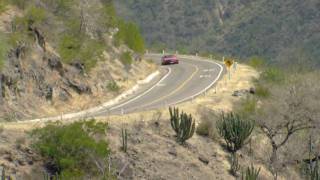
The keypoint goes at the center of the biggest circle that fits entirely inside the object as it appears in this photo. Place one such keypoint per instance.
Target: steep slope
(58, 57)
(285, 30)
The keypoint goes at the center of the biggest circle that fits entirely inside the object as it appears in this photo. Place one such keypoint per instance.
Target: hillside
(63, 56)
(285, 31)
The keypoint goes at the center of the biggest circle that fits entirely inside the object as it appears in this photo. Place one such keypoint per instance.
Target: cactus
(183, 124)
(234, 130)
(3, 174)
(174, 118)
(124, 137)
(315, 170)
(47, 176)
(251, 173)
(234, 164)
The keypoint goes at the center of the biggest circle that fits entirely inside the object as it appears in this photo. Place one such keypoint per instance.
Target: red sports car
(169, 59)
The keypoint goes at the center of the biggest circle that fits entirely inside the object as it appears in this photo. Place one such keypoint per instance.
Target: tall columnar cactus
(183, 124)
(234, 130)
(124, 137)
(251, 173)
(175, 119)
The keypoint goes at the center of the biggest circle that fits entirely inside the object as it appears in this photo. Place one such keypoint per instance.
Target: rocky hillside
(64, 56)
(286, 31)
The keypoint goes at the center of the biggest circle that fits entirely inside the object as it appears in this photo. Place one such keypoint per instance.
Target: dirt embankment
(35, 82)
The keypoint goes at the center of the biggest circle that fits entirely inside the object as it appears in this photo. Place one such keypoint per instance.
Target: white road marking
(208, 70)
(146, 92)
(204, 90)
(205, 76)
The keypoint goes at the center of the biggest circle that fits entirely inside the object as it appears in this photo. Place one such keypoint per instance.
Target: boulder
(79, 88)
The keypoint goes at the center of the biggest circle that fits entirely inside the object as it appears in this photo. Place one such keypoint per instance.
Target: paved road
(183, 81)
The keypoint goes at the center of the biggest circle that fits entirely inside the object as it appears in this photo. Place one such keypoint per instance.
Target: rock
(252, 90)
(240, 93)
(79, 66)
(55, 64)
(79, 88)
(173, 152)
(204, 160)
(64, 95)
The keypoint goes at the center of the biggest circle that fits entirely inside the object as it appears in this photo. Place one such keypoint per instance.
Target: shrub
(247, 107)
(256, 62)
(206, 127)
(183, 124)
(113, 86)
(251, 173)
(129, 34)
(35, 15)
(272, 75)
(262, 91)
(126, 58)
(3, 5)
(83, 49)
(234, 130)
(3, 50)
(72, 149)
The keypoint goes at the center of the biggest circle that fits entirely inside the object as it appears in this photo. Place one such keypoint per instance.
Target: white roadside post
(162, 52)
(122, 111)
(177, 53)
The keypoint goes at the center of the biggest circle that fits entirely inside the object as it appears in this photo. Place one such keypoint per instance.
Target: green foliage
(113, 86)
(124, 138)
(3, 5)
(234, 130)
(256, 62)
(247, 107)
(126, 58)
(22, 4)
(208, 120)
(35, 15)
(72, 148)
(3, 50)
(183, 124)
(251, 173)
(262, 91)
(272, 75)
(83, 49)
(129, 34)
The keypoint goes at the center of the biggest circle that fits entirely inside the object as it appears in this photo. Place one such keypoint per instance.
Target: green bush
(262, 91)
(183, 124)
(3, 50)
(113, 86)
(234, 130)
(129, 34)
(73, 148)
(36, 15)
(83, 49)
(273, 75)
(256, 62)
(251, 173)
(3, 5)
(247, 107)
(19, 3)
(126, 58)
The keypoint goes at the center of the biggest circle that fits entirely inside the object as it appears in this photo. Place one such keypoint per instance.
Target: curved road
(182, 82)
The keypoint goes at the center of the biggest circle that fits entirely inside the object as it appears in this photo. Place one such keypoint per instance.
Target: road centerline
(176, 90)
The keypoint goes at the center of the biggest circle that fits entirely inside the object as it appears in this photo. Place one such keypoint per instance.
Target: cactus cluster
(47, 176)
(234, 130)
(124, 137)
(251, 173)
(182, 123)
